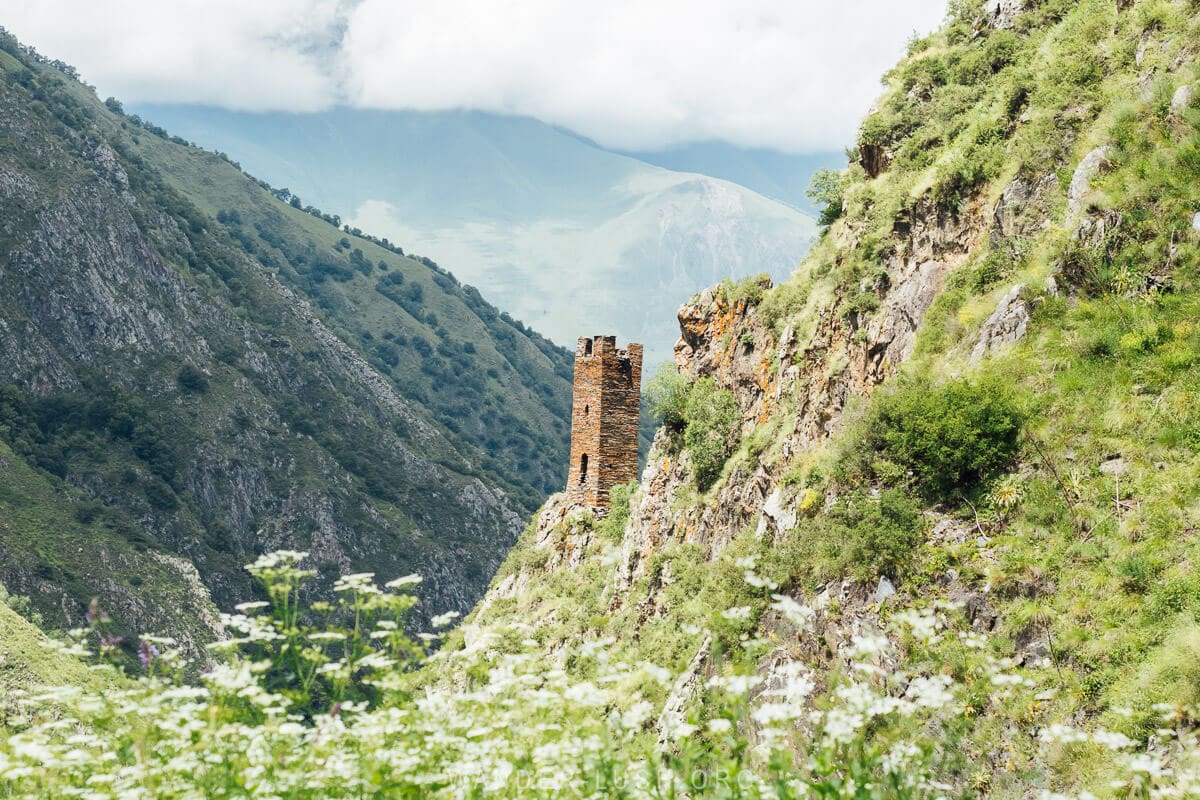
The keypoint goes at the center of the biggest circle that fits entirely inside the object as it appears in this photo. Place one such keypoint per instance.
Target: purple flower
(146, 654)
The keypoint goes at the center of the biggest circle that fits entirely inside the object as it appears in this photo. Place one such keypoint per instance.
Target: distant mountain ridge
(571, 238)
(778, 176)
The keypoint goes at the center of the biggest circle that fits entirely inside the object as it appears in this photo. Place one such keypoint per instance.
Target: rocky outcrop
(1007, 324)
(1022, 209)
(1182, 100)
(1002, 14)
(1088, 169)
(802, 383)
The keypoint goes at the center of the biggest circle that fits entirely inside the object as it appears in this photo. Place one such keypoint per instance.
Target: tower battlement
(604, 419)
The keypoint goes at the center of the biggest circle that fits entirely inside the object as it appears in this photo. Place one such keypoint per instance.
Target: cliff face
(1017, 230)
(176, 397)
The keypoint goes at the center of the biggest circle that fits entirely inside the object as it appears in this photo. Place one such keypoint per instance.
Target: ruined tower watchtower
(604, 419)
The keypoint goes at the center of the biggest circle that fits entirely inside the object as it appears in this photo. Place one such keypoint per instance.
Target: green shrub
(950, 437)
(699, 416)
(750, 289)
(612, 527)
(781, 302)
(863, 535)
(1138, 573)
(711, 430)
(192, 379)
(826, 189)
(878, 535)
(666, 396)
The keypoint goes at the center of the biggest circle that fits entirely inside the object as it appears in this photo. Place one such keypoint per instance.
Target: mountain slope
(196, 372)
(569, 237)
(977, 397)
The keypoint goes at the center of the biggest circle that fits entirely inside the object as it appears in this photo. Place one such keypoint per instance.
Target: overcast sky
(794, 75)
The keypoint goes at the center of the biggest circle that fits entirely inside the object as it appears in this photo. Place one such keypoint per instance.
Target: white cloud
(789, 74)
(241, 54)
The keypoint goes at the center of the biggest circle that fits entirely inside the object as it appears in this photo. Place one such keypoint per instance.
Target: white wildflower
(799, 615)
(923, 625)
(719, 725)
(1112, 740)
(735, 684)
(930, 692)
(759, 582)
(251, 606)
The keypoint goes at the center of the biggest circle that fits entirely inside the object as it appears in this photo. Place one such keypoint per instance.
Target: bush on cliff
(712, 429)
(949, 437)
(699, 416)
(666, 397)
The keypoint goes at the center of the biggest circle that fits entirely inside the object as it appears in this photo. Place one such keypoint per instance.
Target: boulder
(884, 590)
(774, 508)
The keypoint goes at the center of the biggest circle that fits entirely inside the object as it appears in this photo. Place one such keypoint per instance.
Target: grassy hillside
(1045, 486)
(29, 659)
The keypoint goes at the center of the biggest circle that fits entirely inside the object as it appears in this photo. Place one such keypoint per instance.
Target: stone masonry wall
(604, 419)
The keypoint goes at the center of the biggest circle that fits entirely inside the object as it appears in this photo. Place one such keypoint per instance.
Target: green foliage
(951, 437)
(781, 302)
(1138, 573)
(750, 290)
(360, 632)
(21, 604)
(192, 379)
(666, 397)
(826, 189)
(700, 417)
(612, 527)
(879, 535)
(864, 535)
(712, 423)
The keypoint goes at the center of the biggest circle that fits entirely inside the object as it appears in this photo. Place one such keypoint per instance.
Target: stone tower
(604, 419)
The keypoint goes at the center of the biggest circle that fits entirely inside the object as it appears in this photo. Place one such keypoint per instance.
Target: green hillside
(920, 522)
(196, 372)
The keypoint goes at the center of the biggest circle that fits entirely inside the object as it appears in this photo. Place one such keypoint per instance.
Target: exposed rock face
(110, 285)
(1092, 165)
(1007, 324)
(813, 380)
(874, 159)
(1013, 216)
(1002, 14)
(1182, 99)
(1093, 228)
(894, 334)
